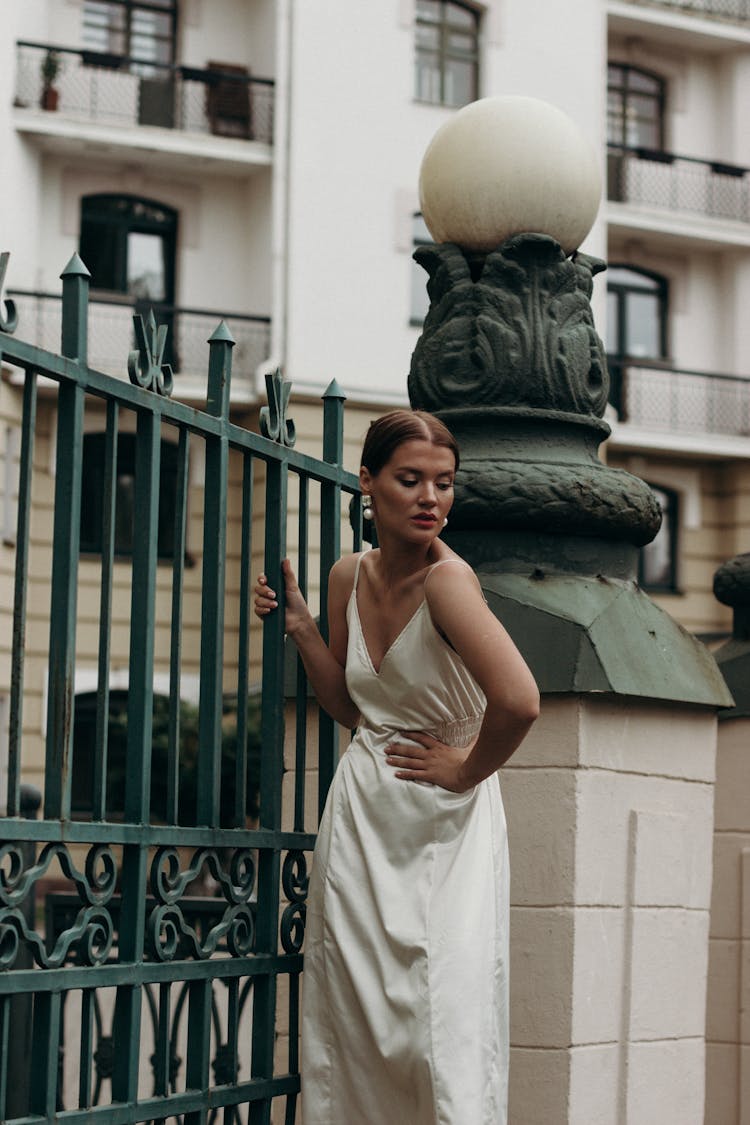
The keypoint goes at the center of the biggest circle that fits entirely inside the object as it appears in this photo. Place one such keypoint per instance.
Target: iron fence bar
(198, 1046)
(214, 570)
(156, 1108)
(86, 1050)
(127, 1018)
(21, 577)
(175, 645)
(243, 648)
(5, 1020)
(109, 496)
(45, 1043)
(300, 753)
(272, 737)
(330, 549)
(156, 835)
(63, 602)
(162, 1046)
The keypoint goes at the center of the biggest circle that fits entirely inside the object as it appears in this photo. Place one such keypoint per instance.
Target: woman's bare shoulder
(343, 570)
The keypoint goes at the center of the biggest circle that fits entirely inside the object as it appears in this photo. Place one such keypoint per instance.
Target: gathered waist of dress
(453, 732)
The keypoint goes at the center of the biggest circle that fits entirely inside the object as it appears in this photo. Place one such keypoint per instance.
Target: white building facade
(258, 160)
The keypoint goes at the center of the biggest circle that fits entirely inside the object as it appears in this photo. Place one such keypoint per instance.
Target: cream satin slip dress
(405, 997)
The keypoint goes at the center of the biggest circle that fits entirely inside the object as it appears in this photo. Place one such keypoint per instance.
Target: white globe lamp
(509, 165)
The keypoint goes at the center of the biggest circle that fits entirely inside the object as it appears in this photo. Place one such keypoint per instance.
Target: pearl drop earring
(445, 521)
(367, 512)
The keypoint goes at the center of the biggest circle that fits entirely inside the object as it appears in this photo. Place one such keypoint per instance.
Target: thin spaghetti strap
(440, 563)
(356, 571)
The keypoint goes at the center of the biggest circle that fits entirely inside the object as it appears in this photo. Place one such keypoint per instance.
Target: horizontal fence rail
(655, 397)
(117, 89)
(111, 334)
(734, 11)
(151, 934)
(678, 183)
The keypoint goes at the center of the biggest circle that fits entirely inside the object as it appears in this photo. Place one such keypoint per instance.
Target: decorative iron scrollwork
(95, 887)
(146, 366)
(274, 423)
(90, 937)
(295, 882)
(8, 314)
(169, 934)
(168, 882)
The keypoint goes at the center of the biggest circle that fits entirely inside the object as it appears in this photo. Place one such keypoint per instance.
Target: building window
(92, 490)
(128, 246)
(657, 567)
(86, 752)
(637, 306)
(141, 31)
(420, 302)
(635, 108)
(447, 52)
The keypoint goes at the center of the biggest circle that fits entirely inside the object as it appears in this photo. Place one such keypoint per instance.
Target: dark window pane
(658, 558)
(447, 51)
(93, 489)
(635, 107)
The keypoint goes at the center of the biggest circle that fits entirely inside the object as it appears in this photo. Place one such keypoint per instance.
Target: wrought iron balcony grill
(735, 11)
(678, 183)
(652, 396)
(222, 99)
(111, 332)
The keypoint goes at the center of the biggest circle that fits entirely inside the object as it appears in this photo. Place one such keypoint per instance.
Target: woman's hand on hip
(424, 758)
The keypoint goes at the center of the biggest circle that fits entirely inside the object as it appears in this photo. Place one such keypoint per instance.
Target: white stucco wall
(356, 146)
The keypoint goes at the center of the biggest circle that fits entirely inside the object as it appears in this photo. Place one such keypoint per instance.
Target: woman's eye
(408, 483)
(445, 486)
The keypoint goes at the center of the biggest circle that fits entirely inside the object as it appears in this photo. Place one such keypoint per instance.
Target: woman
(405, 983)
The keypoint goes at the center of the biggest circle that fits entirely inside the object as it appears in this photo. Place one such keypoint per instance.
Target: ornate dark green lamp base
(510, 360)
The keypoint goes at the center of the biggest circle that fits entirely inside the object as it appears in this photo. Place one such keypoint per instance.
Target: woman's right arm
(324, 664)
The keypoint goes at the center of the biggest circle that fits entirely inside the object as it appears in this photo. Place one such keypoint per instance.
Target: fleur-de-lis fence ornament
(274, 423)
(145, 365)
(8, 315)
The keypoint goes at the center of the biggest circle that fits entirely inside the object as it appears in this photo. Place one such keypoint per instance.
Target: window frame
(130, 7)
(627, 93)
(671, 523)
(443, 53)
(92, 487)
(104, 210)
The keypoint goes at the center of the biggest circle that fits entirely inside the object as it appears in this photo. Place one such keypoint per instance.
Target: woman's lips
(426, 519)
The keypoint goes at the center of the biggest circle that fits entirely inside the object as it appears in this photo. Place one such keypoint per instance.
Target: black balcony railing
(678, 183)
(117, 90)
(734, 11)
(652, 396)
(111, 333)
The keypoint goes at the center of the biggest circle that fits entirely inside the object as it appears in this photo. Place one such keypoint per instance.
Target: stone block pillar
(728, 998)
(610, 807)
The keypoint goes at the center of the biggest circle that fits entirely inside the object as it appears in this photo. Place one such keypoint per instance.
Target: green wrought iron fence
(144, 1001)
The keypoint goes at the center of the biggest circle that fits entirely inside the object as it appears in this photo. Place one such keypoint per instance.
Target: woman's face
(413, 492)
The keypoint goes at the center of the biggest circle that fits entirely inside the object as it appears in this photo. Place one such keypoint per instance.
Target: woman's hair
(391, 430)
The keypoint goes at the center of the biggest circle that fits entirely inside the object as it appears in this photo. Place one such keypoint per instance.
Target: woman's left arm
(459, 610)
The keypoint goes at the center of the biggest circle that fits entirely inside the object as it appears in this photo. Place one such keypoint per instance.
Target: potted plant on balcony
(49, 70)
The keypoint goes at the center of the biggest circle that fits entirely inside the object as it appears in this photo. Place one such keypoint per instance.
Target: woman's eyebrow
(420, 472)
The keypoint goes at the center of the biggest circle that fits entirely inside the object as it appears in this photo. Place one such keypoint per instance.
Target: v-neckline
(396, 639)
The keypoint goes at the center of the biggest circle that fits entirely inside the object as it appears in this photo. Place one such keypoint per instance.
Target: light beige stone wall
(715, 525)
(610, 810)
(727, 1016)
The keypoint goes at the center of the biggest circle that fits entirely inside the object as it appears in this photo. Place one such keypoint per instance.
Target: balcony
(661, 180)
(111, 335)
(734, 11)
(59, 85)
(649, 395)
